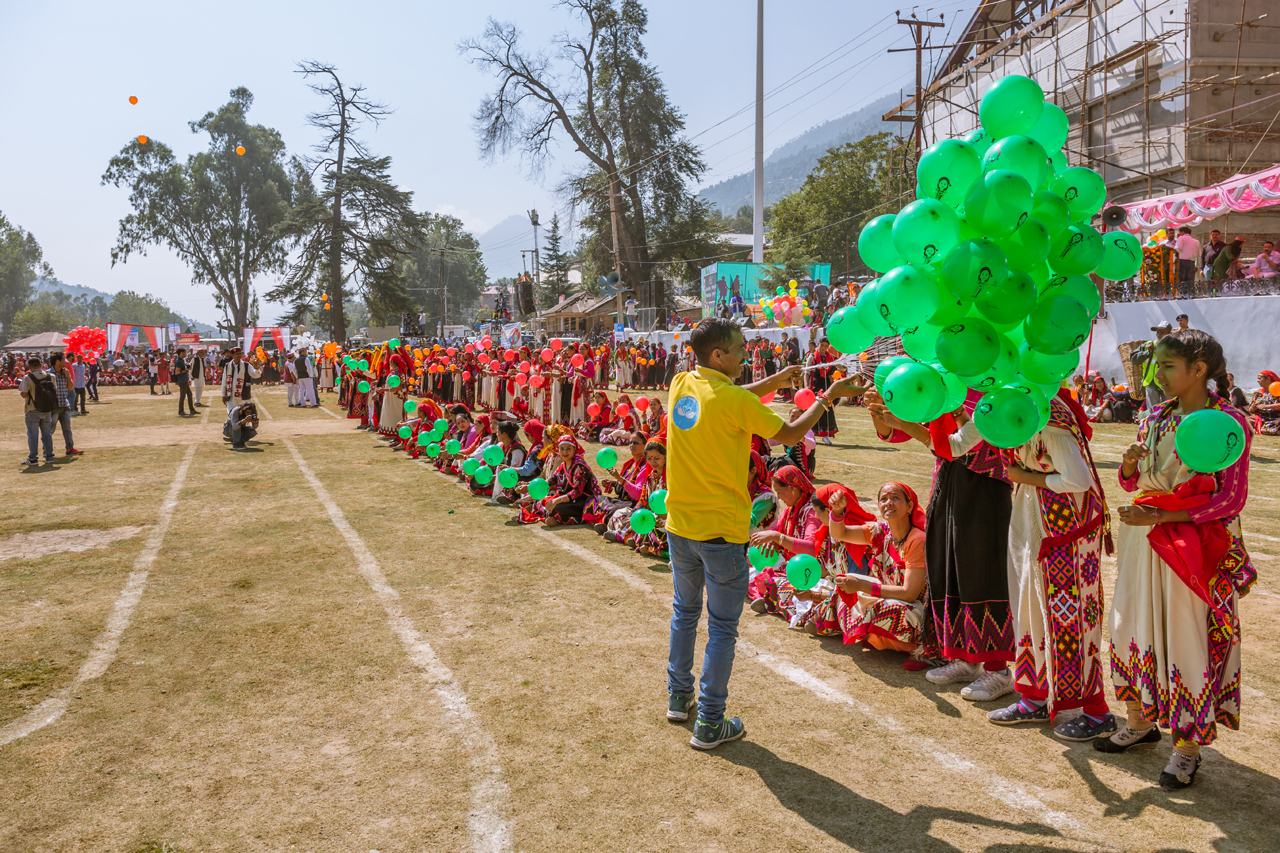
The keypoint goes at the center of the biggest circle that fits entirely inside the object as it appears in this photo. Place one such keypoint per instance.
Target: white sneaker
(991, 686)
(956, 670)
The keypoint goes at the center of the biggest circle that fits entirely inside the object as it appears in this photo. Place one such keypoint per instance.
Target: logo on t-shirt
(685, 413)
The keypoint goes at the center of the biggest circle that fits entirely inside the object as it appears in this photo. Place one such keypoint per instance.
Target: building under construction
(1162, 95)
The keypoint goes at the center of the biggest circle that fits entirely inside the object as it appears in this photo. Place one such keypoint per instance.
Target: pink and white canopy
(1239, 193)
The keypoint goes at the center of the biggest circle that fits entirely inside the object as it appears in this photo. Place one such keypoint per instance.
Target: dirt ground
(321, 645)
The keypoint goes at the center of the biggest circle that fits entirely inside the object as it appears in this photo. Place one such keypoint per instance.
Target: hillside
(790, 163)
(43, 285)
(501, 245)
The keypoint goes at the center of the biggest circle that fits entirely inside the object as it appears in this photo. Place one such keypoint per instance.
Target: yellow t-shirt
(708, 454)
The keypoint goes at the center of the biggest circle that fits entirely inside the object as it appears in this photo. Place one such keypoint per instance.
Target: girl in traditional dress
(652, 477)
(819, 381)
(392, 398)
(887, 609)
(1175, 631)
(1057, 530)
(764, 503)
(757, 362)
(655, 418)
(1264, 411)
(966, 537)
(603, 418)
(624, 426)
(573, 485)
(820, 617)
(513, 456)
(795, 528)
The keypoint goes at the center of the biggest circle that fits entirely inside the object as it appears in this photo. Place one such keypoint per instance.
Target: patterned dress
(1055, 559)
(1267, 423)
(1170, 650)
(904, 621)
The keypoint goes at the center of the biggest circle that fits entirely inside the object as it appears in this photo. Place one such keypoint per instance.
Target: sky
(69, 69)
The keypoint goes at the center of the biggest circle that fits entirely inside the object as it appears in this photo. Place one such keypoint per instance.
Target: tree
(820, 221)
(448, 257)
(220, 211)
(555, 267)
(356, 229)
(139, 310)
(21, 263)
(602, 93)
(44, 313)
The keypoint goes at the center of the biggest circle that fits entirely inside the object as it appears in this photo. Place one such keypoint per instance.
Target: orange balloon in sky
(142, 140)
(133, 99)
(240, 150)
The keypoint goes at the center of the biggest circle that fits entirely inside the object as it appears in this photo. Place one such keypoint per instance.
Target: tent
(43, 343)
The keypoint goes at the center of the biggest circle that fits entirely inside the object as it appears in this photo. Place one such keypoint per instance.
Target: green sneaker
(680, 707)
(710, 735)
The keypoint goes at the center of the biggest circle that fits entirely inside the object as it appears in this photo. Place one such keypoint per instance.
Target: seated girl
(617, 494)
(513, 456)
(481, 437)
(764, 503)
(653, 476)
(601, 420)
(573, 485)
(534, 431)
(463, 430)
(769, 590)
(623, 427)
(887, 609)
(655, 418)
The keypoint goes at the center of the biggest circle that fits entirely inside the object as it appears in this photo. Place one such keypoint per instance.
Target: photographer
(241, 425)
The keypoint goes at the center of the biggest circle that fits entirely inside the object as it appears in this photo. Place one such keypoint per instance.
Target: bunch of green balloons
(986, 276)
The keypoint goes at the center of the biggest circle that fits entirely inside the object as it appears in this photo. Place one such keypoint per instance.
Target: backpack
(44, 394)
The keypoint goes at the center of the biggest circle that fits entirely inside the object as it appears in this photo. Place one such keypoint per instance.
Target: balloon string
(1089, 352)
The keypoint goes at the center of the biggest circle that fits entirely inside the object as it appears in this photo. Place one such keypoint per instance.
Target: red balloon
(466, 375)
(805, 398)
(556, 343)
(509, 355)
(642, 404)
(486, 342)
(484, 358)
(470, 348)
(624, 410)
(577, 359)
(593, 410)
(525, 367)
(547, 355)
(521, 379)
(768, 398)
(444, 361)
(537, 380)
(451, 351)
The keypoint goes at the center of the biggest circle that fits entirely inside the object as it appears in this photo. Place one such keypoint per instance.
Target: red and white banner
(118, 336)
(253, 335)
(1239, 193)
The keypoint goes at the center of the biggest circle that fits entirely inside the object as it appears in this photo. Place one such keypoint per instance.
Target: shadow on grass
(886, 666)
(859, 822)
(1262, 460)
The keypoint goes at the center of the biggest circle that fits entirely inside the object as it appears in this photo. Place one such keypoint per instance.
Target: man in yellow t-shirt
(709, 431)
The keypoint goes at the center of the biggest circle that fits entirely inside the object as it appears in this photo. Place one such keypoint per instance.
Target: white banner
(511, 335)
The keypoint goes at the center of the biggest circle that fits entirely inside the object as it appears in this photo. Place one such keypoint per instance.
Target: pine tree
(555, 267)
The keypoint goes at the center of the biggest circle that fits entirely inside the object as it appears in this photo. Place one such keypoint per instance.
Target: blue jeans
(63, 416)
(39, 429)
(723, 569)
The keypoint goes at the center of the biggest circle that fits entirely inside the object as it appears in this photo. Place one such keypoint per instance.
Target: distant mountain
(49, 285)
(787, 167)
(501, 246)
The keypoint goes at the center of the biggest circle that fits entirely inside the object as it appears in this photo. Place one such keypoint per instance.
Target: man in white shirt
(304, 375)
(289, 376)
(1188, 249)
(629, 308)
(1267, 264)
(236, 376)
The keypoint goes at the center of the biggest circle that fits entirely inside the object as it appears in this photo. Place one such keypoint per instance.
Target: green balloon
(1011, 302)
(1020, 154)
(998, 203)
(404, 432)
(484, 475)
(1082, 189)
(1012, 105)
(658, 501)
(1028, 246)
(968, 347)
(1006, 417)
(781, 291)
(424, 438)
(454, 446)
(1003, 370)
(925, 230)
(393, 381)
(436, 434)
(411, 406)
(440, 424)
(470, 467)
(539, 488)
(980, 140)
(875, 245)
(946, 171)
(433, 450)
(643, 521)
(1121, 256)
(921, 342)
(1079, 287)
(1037, 395)
(950, 309)
(914, 392)
(1043, 369)
(364, 364)
(957, 391)
(394, 343)
(884, 368)
(1057, 162)
(1076, 251)
(1052, 212)
(762, 559)
(607, 457)
(492, 455)
(1057, 325)
(1209, 440)
(508, 477)
(907, 296)
(363, 387)
(846, 332)
(972, 267)
(803, 572)
(1051, 130)
(868, 310)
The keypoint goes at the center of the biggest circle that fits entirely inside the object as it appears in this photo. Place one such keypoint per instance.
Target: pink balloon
(521, 379)
(642, 404)
(805, 398)
(537, 380)
(624, 410)
(509, 355)
(593, 409)
(768, 398)
(548, 354)
(525, 367)
(556, 343)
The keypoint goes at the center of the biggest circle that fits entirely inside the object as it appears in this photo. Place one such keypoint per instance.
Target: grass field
(320, 645)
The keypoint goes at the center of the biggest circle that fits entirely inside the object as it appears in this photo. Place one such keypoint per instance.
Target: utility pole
(757, 216)
(533, 220)
(444, 299)
(917, 31)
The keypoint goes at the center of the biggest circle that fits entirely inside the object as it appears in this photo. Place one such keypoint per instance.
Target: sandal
(1179, 778)
(1081, 728)
(1013, 715)
(1127, 739)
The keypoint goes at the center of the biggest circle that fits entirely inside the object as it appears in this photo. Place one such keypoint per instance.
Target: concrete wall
(1248, 327)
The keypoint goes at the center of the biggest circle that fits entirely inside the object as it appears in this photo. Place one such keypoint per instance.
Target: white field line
(491, 830)
(107, 643)
(874, 468)
(1008, 792)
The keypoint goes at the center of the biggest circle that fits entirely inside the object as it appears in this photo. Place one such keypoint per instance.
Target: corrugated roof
(43, 340)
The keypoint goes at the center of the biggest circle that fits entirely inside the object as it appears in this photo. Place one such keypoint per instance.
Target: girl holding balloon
(1175, 625)
(792, 533)
(572, 485)
(652, 479)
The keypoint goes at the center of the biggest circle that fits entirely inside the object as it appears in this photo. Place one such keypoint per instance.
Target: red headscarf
(917, 513)
(854, 516)
(761, 471)
(1270, 376)
(1077, 412)
(789, 522)
(534, 429)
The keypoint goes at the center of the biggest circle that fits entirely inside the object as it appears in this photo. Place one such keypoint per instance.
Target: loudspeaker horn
(1114, 215)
